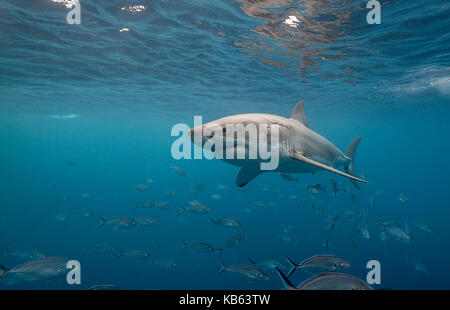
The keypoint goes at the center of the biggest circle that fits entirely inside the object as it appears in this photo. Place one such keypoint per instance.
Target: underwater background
(86, 112)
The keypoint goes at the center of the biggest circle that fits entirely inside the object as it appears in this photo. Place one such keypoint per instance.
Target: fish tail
(251, 261)
(294, 266)
(182, 209)
(212, 220)
(184, 245)
(3, 271)
(286, 282)
(102, 221)
(222, 266)
(120, 253)
(6, 252)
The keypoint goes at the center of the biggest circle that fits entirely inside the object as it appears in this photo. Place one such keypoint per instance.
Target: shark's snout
(191, 134)
(196, 135)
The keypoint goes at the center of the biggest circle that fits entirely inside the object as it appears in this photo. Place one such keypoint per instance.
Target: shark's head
(200, 134)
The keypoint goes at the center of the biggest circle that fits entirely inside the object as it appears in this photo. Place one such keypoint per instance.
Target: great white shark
(301, 150)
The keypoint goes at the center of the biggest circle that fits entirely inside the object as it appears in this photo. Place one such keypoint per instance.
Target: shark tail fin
(286, 282)
(222, 266)
(350, 152)
(293, 265)
(251, 261)
(3, 271)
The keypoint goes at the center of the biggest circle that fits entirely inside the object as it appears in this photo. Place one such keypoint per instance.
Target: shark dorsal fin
(299, 113)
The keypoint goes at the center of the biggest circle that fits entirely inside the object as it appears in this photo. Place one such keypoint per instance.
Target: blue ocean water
(87, 110)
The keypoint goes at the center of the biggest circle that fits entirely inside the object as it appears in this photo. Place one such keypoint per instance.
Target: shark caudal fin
(350, 152)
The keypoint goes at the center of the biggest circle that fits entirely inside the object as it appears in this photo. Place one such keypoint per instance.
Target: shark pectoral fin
(246, 174)
(303, 158)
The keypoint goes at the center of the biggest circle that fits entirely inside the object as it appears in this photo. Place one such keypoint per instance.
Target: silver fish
(287, 177)
(139, 254)
(248, 271)
(268, 263)
(315, 189)
(326, 281)
(85, 213)
(200, 247)
(196, 208)
(64, 216)
(319, 263)
(397, 232)
(216, 196)
(226, 222)
(144, 221)
(164, 262)
(423, 227)
(221, 187)
(146, 204)
(140, 187)
(334, 281)
(417, 265)
(364, 232)
(234, 241)
(162, 205)
(178, 170)
(39, 269)
(401, 197)
(170, 193)
(119, 223)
